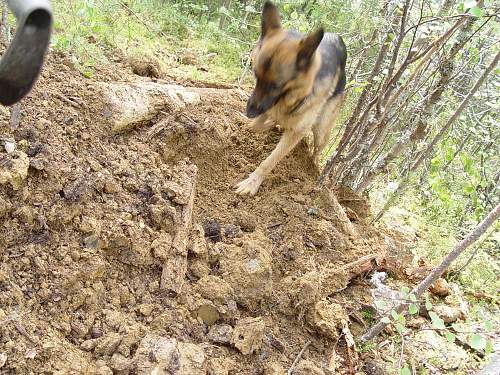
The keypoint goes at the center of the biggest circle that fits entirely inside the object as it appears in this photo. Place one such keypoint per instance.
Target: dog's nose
(253, 110)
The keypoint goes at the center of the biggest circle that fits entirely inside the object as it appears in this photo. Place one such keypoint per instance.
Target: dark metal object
(21, 64)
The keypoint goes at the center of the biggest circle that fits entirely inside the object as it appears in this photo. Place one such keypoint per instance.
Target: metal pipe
(22, 62)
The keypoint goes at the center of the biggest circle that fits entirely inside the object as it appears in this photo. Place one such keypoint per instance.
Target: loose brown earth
(83, 239)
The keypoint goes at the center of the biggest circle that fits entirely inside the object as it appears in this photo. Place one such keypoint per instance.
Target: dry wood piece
(175, 266)
(126, 105)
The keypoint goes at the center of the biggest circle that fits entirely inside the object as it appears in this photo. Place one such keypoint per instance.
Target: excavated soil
(83, 238)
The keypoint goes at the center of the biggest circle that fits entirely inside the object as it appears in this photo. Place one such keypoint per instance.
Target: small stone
(89, 345)
(38, 164)
(146, 309)
(96, 332)
(91, 242)
(313, 211)
(220, 366)
(208, 313)
(221, 334)
(248, 335)
(10, 147)
(449, 314)
(212, 230)
(440, 288)
(120, 363)
(104, 370)
(30, 353)
(111, 187)
(232, 231)
(246, 221)
(107, 345)
(14, 169)
(3, 359)
(308, 368)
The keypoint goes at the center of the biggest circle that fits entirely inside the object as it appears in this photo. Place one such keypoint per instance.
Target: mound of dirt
(90, 219)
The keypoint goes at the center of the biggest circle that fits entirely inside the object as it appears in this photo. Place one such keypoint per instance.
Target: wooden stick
(175, 267)
(297, 359)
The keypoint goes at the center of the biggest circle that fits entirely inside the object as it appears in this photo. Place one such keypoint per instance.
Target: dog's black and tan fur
(300, 86)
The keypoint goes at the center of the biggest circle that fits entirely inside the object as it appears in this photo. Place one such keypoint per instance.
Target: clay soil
(82, 244)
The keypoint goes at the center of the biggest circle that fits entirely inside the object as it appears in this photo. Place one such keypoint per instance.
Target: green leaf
(450, 337)
(476, 11)
(385, 320)
(413, 309)
(437, 322)
(405, 291)
(489, 347)
(428, 305)
(400, 328)
(413, 297)
(405, 371)
(381, 305)
(488, 326)
(477, 342)
(394, 315)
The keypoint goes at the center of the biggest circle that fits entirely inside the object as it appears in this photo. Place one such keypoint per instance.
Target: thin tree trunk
(438, 271)
(430, 147)
(222, 20)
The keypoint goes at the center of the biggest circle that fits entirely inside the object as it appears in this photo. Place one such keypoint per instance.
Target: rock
(221, 334)
(162, 246)
(162, 356)
(103, 370)
(208, 313)
(89, 345)
(108, 344)
(429, 347)
(449, 314)
(5, 208)
(246, 221)
(111, 187)
(3, 359)
(91, 242)
(198, 243)
(38, 164)
(212, 230)
(248, 335)
(215, 289)
(440, 288)
(327, 317)
(9, 146)
(232, 231)
(308, 368)
(146, 309)
(274, 368)
(14, 169)
(199, 268)
(120, 363)
(192, 359)
(247, 269)
(220, 366)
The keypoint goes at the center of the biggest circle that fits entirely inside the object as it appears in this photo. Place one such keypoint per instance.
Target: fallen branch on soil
(175, 267)
(297, 359)
(438, 271)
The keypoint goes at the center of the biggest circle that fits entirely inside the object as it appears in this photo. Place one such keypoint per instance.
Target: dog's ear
(307, 47)
(270, 18)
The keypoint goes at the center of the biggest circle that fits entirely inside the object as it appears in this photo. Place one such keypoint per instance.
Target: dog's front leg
(288, 141)
(261, 123)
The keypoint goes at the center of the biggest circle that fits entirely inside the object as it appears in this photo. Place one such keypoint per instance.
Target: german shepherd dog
(300, 86)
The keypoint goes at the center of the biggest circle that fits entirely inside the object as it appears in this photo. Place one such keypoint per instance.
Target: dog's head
(283, 63)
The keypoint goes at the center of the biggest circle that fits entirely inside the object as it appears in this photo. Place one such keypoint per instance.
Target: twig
(297, 359)
(438, 271)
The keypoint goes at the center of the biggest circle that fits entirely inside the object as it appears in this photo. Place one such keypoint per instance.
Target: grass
(92, 30)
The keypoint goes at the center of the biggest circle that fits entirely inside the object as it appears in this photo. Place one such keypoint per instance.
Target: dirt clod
(248, 335)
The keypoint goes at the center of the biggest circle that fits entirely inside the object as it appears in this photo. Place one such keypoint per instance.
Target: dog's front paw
(250, 185)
